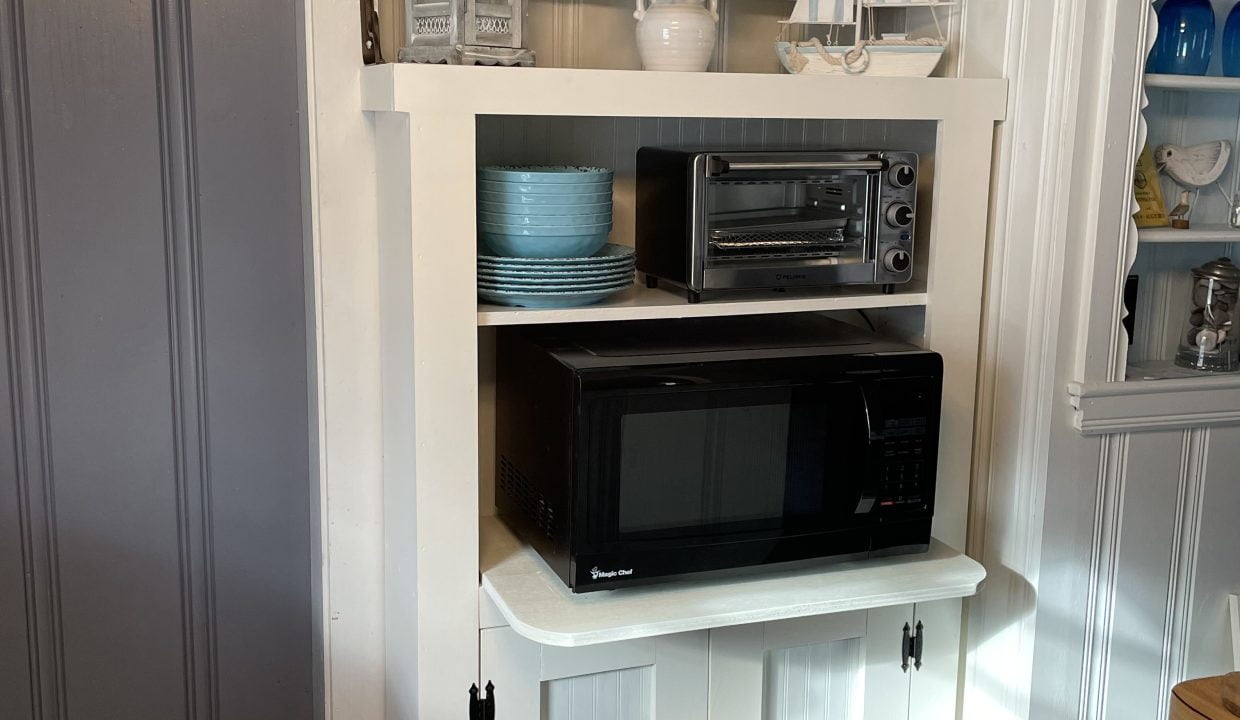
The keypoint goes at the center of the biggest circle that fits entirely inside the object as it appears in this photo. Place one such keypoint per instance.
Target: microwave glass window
(710, 466)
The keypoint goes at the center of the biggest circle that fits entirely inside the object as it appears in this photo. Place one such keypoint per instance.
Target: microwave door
(715, 465)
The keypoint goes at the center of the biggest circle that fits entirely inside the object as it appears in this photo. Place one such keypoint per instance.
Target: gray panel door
(156, 507)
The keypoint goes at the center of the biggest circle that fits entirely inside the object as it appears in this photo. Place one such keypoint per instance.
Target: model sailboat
(891, 55)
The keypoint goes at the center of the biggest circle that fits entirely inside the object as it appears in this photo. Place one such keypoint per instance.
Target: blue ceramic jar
(1231, 43)
(1185, 38)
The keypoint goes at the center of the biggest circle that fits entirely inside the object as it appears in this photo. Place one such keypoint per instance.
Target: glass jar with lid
(1209, 340)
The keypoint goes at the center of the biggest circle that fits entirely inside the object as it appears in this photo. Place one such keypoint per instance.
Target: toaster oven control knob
(901, 175)
(899, 215)
(897, 261)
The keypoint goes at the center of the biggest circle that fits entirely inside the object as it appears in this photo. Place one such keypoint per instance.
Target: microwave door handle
(721, 166)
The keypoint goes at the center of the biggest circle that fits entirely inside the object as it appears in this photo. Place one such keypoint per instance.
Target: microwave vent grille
(531, 502)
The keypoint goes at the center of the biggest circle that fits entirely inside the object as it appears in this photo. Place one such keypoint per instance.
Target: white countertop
(539, 606)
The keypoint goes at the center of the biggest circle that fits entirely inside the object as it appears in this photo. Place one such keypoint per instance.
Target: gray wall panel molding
(29, 502)
(154, 335)
(183, 258)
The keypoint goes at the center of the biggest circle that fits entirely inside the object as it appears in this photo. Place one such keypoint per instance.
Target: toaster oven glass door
(708, 465)
(771, 218)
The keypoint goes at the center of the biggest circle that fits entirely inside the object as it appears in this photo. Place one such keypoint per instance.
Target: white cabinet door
(660, 678)
(845, 666)
(934, 684)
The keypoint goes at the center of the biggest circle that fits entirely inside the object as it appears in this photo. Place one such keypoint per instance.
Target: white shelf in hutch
(1200, 234)
(1206, 83)
(641, 303)
(436, 411)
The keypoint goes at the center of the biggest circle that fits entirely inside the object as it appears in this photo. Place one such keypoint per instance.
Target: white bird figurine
(1196, 166)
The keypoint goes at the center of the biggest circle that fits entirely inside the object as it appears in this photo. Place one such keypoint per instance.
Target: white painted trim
(344, 305)
(1182, 573)
(1233, 610)
(1104, 560)
(410, 88)
(1029, 238)
(1111, 407)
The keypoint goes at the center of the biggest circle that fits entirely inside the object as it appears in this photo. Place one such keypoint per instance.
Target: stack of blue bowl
(543, 234)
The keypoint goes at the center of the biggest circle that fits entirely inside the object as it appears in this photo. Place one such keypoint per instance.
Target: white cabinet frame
(424, 122)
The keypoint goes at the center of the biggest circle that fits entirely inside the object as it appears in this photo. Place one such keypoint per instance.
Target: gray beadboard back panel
(155, 509)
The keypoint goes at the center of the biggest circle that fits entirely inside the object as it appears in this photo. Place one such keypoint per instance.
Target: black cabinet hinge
(482, 708)
(911, 646)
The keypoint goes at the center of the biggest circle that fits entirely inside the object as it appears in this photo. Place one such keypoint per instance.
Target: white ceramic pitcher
(676, 34)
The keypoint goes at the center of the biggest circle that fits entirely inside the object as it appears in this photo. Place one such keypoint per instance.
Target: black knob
(899, 215)
(901, 175)
(897, 261)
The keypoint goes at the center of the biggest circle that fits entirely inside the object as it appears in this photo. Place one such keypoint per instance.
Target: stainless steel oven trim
(697, 220)
(867, 165)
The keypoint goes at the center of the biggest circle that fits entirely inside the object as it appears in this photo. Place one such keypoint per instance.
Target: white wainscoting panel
(616, 695)
(1166, 561)
(1217, 557)
(824, 681)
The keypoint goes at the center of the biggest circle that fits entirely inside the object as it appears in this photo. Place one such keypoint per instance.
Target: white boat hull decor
(892, 55)
(872, 60)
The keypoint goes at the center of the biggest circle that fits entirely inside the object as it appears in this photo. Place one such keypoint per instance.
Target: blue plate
(583, 287)
(608, 254)
(587, 275)
(513, 269)
(511, 209)
(545, 174)
(541, 222)
(525, 200)
(517, 188)
(546, 299)
(545, 247)
(625, 278)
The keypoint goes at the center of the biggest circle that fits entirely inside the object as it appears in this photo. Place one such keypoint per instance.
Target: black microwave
(630, 453)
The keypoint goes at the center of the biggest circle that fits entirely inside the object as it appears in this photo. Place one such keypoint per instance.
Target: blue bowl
(561, 199)
(545, 174)
(487, 228)
(522, 246)
(501, 208)
(517, 188)
(544, 221)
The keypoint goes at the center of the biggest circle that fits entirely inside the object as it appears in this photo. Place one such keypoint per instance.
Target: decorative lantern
(1209, 341)
(465, 32)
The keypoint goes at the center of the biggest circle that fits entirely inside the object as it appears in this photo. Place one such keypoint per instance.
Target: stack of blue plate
(555, 282)
(551, 211)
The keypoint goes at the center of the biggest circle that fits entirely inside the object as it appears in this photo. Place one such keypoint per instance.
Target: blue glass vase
(1185, 38)
(1231, 43)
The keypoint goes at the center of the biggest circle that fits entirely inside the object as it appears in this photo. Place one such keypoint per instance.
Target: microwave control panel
(905, 464)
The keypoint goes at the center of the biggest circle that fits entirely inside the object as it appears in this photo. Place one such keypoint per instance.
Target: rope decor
(856, 59)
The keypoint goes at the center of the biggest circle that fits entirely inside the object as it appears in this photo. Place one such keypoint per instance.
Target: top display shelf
(409, 88)
(1206, 83)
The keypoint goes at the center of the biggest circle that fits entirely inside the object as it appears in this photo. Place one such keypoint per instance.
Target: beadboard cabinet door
(658, 678)
(845, 666)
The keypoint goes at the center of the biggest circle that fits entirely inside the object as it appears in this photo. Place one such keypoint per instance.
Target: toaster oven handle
(721, 166)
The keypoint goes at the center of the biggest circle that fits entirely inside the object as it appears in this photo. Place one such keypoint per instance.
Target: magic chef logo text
(595, 573)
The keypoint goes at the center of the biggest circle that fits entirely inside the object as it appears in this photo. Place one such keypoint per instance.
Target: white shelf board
(412, 87)
(1200, 234)
(1208, 83)
(539, 606)
(642, 303)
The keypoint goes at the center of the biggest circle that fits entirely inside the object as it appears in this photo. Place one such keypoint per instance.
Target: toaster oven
(710, 221)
